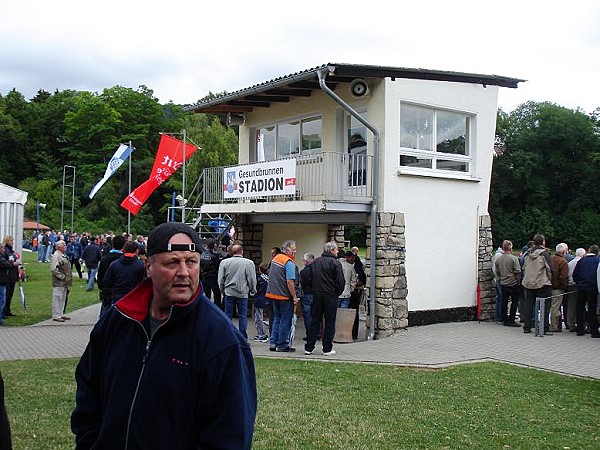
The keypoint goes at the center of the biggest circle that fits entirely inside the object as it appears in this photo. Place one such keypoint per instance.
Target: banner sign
(169, 158)
(261, 179)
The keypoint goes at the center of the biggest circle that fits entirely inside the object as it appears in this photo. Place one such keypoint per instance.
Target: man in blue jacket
(585, 276)
(165, 368)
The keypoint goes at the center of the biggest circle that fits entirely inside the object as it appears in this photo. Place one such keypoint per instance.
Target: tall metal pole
(129, 191)
(62, 207)
(183, 188)
(73, 201)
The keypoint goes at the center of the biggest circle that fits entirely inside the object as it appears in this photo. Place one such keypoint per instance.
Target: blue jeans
(306, 302)
(242, 308)
(500, 313)
(41, 251)
(48, 254)
(91, 277)
(283, 312)
(344, 303)
(2, 301)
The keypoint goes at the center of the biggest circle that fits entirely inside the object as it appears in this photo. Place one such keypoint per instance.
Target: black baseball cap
(158, 240)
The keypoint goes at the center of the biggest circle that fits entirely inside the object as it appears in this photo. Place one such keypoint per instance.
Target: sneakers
(286, 350)
(306, 352)
(58, 319)
(330, 352)
(263, 339)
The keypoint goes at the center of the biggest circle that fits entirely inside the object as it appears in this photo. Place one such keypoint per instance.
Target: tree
(545, 179)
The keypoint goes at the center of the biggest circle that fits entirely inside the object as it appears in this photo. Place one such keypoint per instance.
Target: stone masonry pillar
(250, 235)
(391, 304)
(485, 275)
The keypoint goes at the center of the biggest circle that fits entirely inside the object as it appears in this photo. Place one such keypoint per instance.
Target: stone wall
(335, 233)
(484, 268)
(391, 305)
(250, 235)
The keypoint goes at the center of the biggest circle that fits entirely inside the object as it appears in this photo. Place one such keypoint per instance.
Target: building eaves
(303, 83)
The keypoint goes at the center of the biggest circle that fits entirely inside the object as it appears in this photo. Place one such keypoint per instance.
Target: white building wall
(12, 204)
(441, 215)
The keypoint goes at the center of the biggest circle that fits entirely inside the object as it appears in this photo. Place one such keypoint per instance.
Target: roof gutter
(374, 190)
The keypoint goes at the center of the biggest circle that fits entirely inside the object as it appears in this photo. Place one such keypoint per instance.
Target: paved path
(430, 346)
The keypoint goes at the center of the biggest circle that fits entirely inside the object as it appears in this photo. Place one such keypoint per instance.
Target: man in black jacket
(105, 262)
(328, 284)
(209, 271)
(92, 256)
(165, 368)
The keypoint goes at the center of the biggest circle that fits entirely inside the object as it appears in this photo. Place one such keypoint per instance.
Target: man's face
(291, 252)
(175, 275)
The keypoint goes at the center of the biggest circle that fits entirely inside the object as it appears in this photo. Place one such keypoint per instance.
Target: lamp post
(37, 213)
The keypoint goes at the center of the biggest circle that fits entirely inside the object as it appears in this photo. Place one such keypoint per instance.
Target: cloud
(184, 50)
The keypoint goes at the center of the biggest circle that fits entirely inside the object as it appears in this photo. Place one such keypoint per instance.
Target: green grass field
(38, 293)
(331, 405)
(326, 405)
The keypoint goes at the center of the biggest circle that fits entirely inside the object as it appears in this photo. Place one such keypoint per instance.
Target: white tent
(12, 204)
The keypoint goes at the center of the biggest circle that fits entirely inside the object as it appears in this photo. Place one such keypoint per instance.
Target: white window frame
(468, 158)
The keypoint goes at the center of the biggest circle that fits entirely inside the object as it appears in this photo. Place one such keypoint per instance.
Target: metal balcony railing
(326, 176)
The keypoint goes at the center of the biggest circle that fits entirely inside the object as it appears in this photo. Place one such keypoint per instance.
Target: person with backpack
(537, 282)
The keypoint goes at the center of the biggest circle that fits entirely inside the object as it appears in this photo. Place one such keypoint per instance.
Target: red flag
(169, 158)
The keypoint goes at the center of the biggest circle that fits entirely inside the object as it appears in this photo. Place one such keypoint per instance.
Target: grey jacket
(237, 277)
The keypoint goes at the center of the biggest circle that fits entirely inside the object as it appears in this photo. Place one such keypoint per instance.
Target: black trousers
(75, 262)
(324, 309)
(589, 299)
(355, 304)
(529, 305)
(10, 290)
(514, 293)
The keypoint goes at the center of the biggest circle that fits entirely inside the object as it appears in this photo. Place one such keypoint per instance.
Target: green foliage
(545, 180)
(356, 234)
(332, 405)
(83, 129)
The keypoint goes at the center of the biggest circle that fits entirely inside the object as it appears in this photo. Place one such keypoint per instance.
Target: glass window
(288, 139)
(416, 127)
(421, 127)
(457, 166)
(451, 133)
(312, 135)
(415, 161)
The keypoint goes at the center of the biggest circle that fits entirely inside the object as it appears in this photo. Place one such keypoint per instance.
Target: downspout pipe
(322, 74)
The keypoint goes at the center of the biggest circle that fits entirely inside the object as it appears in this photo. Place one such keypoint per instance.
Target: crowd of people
(557, 292)
(281, 292)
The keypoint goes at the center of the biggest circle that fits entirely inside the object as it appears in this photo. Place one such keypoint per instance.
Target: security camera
(359, 88)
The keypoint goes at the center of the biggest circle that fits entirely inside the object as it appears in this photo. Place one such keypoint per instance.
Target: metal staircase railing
(209, 226)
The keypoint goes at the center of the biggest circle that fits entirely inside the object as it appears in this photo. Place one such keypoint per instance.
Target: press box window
(434, 140)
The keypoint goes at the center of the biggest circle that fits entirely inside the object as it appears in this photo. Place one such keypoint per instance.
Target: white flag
(115, 162)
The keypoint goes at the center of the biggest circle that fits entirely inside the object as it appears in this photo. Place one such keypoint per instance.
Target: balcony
(325, 181)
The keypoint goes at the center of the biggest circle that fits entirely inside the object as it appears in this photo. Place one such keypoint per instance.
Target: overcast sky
(184, 49)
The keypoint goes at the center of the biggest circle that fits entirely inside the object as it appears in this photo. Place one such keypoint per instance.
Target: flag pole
(129, 212)
(183, 188)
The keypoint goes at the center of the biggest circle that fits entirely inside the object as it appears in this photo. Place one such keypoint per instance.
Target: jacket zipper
(139, 382)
